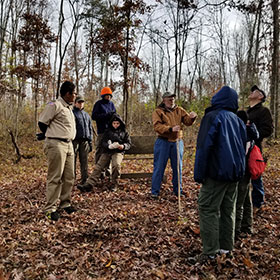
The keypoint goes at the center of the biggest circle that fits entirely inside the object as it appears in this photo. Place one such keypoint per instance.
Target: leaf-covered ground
(124, 234)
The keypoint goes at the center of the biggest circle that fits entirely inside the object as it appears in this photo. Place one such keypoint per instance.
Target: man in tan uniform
(57, 123)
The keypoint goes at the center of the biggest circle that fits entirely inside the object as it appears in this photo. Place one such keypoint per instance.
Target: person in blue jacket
(102, 112)
(219, 165)
(82, 143)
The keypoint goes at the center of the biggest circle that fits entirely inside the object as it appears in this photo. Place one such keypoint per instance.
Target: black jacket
(112, 135)
(262, 118)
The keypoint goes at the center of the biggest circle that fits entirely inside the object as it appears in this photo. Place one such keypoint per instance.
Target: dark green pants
(81, 148)
(217, 204)
(244, 207)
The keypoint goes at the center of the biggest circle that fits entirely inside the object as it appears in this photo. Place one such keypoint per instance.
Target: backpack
(256, 163)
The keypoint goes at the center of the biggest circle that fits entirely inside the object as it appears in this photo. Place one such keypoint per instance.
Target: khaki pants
(217, 205)
(60, 178)
(104, 160)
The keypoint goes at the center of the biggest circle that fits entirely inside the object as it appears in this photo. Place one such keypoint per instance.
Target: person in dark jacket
(244, 206)
(219, 165)
(83, 141)
(101, 113)
(261, 117)
(115, 142)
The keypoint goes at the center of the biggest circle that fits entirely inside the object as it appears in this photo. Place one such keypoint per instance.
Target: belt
(60, 139)
(163, 138)
(166, 139)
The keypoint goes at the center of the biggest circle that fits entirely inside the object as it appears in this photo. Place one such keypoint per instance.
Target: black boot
(85, 188)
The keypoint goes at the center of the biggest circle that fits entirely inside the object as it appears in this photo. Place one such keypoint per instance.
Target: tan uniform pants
(60, 178)
(103, 161)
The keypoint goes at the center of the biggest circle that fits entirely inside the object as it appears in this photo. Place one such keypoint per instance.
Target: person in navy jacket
(219, 165)
(102, 112)
(83, 141)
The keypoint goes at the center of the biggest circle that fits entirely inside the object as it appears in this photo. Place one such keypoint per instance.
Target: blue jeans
(163, 150)
(258, 192)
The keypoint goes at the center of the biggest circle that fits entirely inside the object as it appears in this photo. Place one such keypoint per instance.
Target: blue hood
(225, 98)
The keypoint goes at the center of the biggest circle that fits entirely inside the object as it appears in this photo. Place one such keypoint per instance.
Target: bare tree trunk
(5, 9)
(125, 71)
(63, 50)
(274, 87)
(76, 61)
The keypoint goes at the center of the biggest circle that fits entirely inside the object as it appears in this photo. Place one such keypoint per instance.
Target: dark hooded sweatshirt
(112, 135)
(221, 141)
(101, 113)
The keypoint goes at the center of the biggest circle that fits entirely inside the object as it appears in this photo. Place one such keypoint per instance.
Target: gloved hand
(40, 136)
(114, 145)
(111, 146)
(90, 146)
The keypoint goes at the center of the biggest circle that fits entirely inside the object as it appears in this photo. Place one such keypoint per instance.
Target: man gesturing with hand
(167, 120)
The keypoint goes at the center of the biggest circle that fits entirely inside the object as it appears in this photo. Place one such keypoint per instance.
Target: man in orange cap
(102, 112)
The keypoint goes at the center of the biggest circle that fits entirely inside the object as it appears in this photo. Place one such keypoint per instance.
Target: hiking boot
(83, 182)
(114, 187)
(54, 216)
(107, 173)
(69, 209)
(85, 188)
(226, 252)
(182, 194)
(154, 196)
(202, 259)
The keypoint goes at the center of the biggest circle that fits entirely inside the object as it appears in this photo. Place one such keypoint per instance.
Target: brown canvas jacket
(164, 119)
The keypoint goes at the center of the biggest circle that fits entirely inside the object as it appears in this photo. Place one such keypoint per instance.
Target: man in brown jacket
(167, 119)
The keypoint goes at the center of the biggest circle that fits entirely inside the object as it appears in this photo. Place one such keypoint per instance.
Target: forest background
(140, 49)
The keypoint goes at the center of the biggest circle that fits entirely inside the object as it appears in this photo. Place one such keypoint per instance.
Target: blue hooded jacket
(221, 141)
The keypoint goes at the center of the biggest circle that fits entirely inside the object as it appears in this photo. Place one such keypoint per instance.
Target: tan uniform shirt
(164, 120)
(59, 118)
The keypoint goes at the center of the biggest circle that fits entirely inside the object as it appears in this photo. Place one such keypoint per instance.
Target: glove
(114, 145)
(40, 136)
(90, 146)
(111, 147)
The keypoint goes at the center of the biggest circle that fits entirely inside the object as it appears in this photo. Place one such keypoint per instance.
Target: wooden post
(178, 174)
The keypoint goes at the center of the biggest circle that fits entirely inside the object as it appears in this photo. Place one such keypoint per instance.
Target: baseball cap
(261, 91)
(168, 94)
(79, 99)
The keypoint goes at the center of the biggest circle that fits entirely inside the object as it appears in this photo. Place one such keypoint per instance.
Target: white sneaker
(222, 251)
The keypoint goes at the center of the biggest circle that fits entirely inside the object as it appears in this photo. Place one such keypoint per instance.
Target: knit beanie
(106, 90)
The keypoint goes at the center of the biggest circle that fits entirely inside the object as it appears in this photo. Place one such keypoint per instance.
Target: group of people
(68, 133)
(225, 138)
(225, 205)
